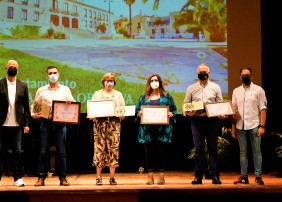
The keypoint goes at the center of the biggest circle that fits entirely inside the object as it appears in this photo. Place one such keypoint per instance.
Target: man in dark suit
(14, 118)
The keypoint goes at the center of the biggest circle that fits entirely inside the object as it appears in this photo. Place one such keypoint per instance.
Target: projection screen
(132, 39)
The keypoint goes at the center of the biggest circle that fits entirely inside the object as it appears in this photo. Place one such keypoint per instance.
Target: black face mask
(203, 76)
(246, 80)
(12, 71)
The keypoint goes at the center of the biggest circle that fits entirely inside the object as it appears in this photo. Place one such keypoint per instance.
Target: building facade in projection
(160, 26)
(54, 13)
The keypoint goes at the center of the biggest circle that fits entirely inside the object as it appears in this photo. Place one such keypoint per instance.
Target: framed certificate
(100, 108)
(156, 115)
(214, 109)
(66, 113)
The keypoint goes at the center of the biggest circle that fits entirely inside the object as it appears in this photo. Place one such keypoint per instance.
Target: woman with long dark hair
(156, 137)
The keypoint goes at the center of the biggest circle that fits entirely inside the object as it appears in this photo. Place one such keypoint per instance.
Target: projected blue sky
(119, 7)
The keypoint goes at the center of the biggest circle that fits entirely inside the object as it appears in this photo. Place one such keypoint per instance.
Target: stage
(132, 187)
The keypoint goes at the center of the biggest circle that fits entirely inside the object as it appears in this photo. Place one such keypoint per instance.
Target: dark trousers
(156, 152)
(47, 128)
(203, 127)
(11, 138)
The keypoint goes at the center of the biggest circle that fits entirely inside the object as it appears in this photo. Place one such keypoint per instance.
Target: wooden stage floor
(132, 187)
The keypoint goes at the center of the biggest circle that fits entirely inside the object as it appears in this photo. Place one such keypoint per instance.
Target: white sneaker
(19, 183)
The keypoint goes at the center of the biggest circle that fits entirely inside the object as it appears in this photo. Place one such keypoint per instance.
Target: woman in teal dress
(156, 137)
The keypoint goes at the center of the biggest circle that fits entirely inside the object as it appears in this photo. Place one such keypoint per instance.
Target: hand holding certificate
(157, 115)
(125, 111)
(66, 112)
(40, 110)
(219, 108)
(107, 108)
(100, 108)
(193, 106)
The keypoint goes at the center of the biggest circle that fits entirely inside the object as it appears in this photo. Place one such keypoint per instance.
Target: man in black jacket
(14, 118)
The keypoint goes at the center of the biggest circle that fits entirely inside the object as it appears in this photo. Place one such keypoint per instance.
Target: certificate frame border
(54, 102)
(211, 103)
(103, 116)
(154, 123)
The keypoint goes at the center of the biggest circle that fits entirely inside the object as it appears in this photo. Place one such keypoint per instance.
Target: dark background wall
(251, 42)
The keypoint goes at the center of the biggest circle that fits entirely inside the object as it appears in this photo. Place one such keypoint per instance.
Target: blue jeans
(11, 138)
(47, 128)
(203, 127)
(255, 141)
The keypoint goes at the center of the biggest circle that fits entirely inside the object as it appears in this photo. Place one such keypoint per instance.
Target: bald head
(12, 68)
(203, 68)
(12, 63)
(203, 73)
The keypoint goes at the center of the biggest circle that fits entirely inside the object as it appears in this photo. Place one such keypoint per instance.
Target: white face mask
(53, 78)
(109, 84)
(154, 84)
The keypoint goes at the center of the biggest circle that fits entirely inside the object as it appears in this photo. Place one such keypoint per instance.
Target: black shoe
(216, 180)
(197, 181)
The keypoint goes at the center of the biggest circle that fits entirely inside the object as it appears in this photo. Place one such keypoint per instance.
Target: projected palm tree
(129, 3)
(156, 4)
(208, 15)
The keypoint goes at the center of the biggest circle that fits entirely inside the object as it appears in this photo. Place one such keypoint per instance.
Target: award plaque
(68, 113)
(41, 109)
(193, 106)
(125, 111)
(156, 115)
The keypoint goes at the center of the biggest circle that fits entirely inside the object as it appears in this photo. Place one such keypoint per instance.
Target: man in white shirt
(46, 94)
(14, 118)
(250, 104)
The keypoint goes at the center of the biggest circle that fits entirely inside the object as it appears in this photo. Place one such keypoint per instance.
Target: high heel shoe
(150, 181)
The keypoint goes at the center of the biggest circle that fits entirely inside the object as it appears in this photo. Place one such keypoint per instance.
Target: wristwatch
(261, 126)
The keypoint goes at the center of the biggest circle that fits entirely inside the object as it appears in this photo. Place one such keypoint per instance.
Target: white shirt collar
(9, 82)
(208, 81)
(48, 85)
(248, 87)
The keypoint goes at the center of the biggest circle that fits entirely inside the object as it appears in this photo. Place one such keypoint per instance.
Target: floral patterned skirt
(106, 142)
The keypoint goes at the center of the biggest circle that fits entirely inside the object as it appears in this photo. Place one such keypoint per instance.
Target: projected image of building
(51, 13)
(160, 26)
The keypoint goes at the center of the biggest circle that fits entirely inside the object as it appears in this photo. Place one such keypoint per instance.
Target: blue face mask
(53, 78)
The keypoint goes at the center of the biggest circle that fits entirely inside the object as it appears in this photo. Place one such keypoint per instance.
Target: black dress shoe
(197, 181)
(216, 180)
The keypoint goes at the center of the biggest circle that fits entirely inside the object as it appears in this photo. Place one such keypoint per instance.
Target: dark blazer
(23, 116)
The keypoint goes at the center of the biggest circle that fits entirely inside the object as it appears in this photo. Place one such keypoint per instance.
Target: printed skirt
(106, 142)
